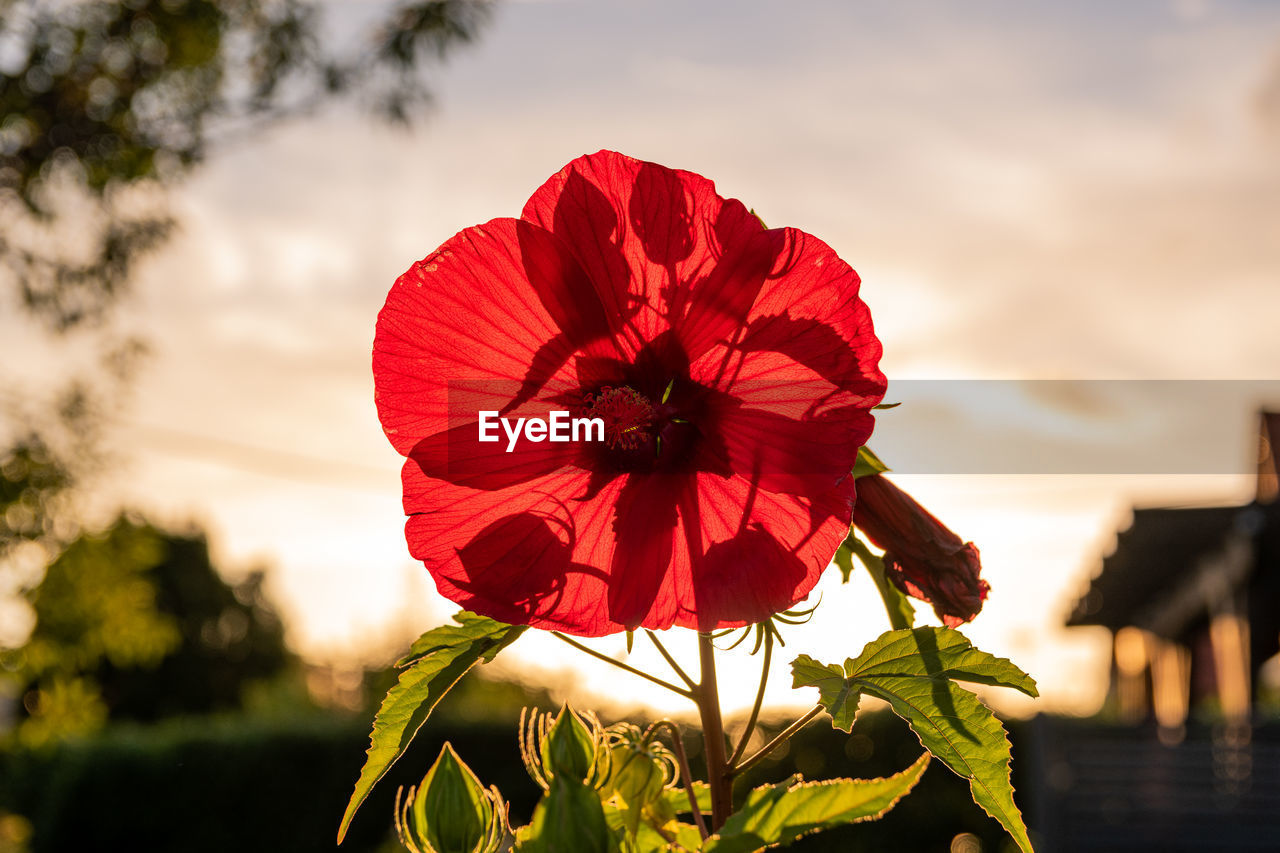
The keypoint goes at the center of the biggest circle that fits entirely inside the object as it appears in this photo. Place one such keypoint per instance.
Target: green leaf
(637, 779)
(836, 693)
(569, 819)
(912, 670)
(896, 604)
(887, 406)
(435, 662)
(779, 814)
(678, 801)
(937, 653)
(678, 838)
(867, 464)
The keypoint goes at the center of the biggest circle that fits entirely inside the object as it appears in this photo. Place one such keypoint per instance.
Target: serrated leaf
(775, 815)
(435, 662)
(678, 800)
(912, 670)
(836, 692)
(938, 653)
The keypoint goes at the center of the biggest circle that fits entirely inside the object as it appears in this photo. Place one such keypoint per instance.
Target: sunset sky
(1030, 191)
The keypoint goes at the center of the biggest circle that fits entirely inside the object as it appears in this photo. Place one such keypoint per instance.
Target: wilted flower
(732, 368)
(922, 557)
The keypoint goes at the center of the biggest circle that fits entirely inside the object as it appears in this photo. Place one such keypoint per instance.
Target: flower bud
(451, 812)
(639, 771)
(569, 749)
(921, 556)
(572, 747)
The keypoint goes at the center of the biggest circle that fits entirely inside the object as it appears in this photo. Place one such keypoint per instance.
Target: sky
(1030, 191)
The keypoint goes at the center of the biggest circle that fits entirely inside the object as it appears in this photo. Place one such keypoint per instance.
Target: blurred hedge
(196, 785)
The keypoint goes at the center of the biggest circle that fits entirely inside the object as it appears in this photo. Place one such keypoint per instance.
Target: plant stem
(755, 709)
(666, 655)
(783, 736)
(686, 776)
(708, 701)
(688, 694)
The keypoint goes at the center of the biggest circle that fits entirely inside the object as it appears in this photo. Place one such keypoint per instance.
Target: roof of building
(1158, 551)
(1163, 547)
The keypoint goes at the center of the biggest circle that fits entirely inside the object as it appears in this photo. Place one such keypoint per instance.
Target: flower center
(626, 413)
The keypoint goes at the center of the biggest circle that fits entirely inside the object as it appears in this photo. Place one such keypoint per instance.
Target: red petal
(719, 303)
(484, 313)
(458, 456)
(644, 531)
(791, 542)
(524, 555)
(643, 233)
(804, 373)
(803, 456)
(808, 311)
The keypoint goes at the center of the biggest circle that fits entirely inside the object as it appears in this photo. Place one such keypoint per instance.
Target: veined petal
(522, 554)
(472, 322)
(644, 531)
(643, 233)
(762, 552)
(458, 456)
(808, 310)
(801, 456)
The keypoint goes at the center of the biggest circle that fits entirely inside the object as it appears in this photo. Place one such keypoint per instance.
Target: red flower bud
(921, 556)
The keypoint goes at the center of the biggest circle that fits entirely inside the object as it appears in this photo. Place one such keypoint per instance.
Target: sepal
(569, 744)
(450, 811)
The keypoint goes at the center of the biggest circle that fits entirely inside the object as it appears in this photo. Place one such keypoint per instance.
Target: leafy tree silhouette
(135, 623)
(105, 104)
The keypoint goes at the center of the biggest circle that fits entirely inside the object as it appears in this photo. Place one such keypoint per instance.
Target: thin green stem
(755, 709)
(688, 694)
(783, 736)
(666, 655)
(686, 776)
(708, 701)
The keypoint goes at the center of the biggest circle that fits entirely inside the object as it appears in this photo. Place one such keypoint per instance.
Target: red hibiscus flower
(732, 367)
(922, 556)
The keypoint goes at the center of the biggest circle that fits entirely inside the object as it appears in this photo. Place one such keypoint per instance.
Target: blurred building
(1190, 756)
(1192, 598)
